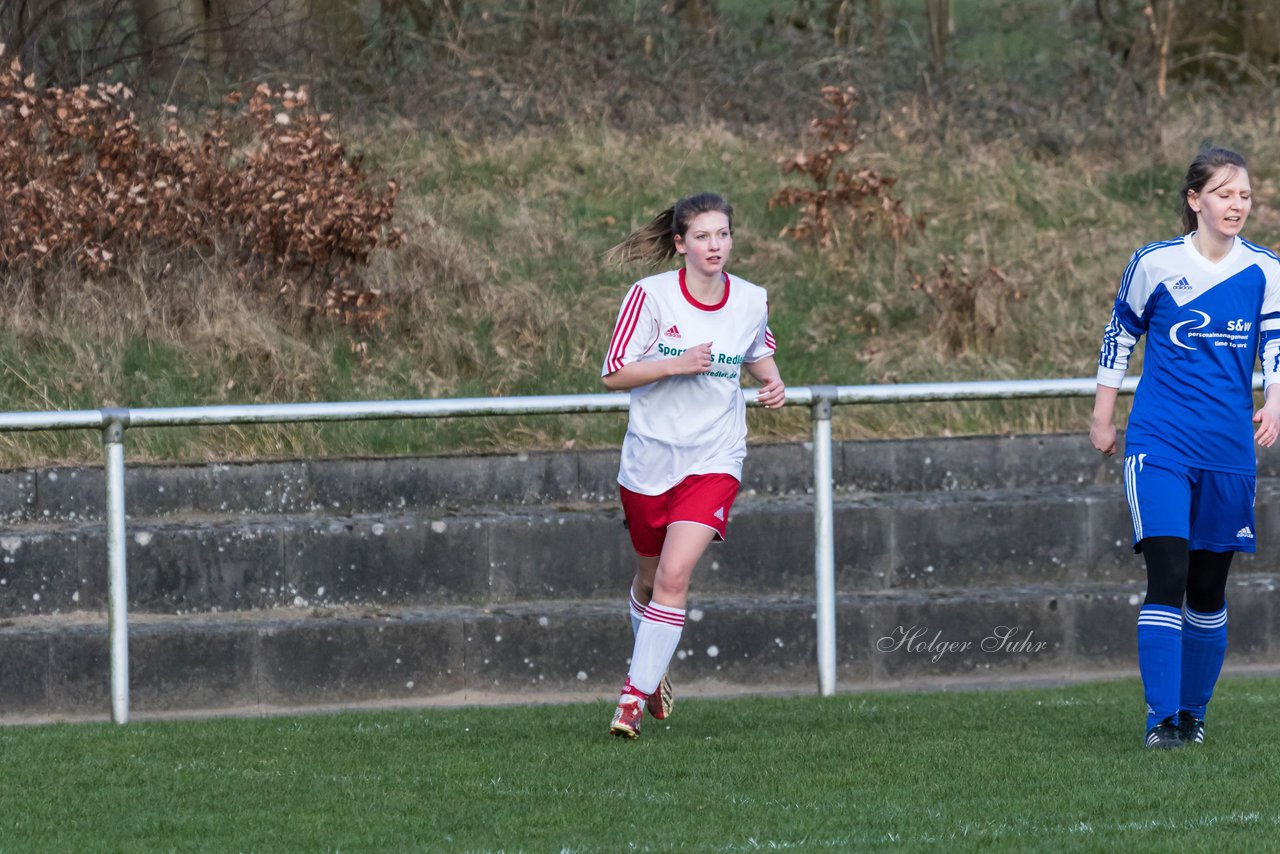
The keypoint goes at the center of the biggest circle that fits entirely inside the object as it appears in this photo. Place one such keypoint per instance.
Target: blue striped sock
(1204, 646)
(1160, 659)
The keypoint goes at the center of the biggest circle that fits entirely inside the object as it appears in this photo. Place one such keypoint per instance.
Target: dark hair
(655, 242)
(1199, 172)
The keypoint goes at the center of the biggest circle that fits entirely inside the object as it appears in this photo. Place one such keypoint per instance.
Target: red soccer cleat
(626, 719)
(661, 701)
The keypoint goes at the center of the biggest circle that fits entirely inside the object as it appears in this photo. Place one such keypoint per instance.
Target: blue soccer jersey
(1204, 322)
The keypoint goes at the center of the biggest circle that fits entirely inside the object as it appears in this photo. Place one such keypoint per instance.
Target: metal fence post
(117, 569)
(824, 539)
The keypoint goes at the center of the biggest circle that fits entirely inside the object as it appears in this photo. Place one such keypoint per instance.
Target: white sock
(637, 613)
(656, 641)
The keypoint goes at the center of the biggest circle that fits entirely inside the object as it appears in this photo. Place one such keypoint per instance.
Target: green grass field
(1046, 769)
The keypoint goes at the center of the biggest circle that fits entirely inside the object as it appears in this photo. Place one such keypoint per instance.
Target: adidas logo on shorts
(719, 514)
(1244, 532)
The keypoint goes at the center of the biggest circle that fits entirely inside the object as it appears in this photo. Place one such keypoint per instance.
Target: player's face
(705, 245)
(1223, 205)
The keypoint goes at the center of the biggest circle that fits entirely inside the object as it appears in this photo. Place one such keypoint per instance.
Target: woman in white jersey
(680, 343)
(1207, 301)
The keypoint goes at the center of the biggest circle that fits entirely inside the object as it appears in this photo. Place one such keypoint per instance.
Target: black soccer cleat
(1190, 728)
(1164, 735)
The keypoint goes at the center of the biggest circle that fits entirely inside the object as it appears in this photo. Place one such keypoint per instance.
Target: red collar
(702, 305)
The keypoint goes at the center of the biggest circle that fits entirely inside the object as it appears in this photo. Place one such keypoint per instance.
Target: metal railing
(821, 399)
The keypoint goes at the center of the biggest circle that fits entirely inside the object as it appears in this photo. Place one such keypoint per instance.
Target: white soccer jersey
(686, 425)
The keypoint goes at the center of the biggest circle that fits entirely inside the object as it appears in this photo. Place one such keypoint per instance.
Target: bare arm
(695, 360)
(773, 393)
(1102, 430)
(1268, 418)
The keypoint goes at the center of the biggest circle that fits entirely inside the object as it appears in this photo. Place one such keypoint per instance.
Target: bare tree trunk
(340, 29)
(1160, 22)
(941, 18)
(284, 33)
(172, 31)
(257, 33)
(877, 25)
(840, 21)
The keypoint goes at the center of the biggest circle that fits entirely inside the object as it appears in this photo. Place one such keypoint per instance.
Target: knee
(1207, 581)
(1206, 598)
(671, 582)
(1167, 589)
(1167, 559)
(642, 588)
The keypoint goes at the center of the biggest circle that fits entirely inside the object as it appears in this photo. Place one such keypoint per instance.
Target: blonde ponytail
(651, 244)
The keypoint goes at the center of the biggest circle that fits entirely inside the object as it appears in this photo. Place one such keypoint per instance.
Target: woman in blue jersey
(681, 342)
(1207, 302)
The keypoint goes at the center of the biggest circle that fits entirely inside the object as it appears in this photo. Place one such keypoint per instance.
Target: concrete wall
(335, 582)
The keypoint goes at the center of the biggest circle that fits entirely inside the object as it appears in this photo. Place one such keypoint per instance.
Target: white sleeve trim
(1110, 377)
(1270, 353)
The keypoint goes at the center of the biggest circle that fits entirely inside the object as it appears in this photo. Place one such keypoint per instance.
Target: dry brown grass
(499, 287)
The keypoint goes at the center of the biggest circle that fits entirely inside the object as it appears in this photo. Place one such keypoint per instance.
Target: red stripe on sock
(666, 616)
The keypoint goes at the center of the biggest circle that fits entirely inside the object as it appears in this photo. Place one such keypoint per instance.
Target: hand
(772, 394)
(695, 360)
(1103, 437)
(1269, 427)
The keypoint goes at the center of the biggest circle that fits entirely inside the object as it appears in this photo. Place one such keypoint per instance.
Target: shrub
(265, 187)
(970, 305)
(846, 197)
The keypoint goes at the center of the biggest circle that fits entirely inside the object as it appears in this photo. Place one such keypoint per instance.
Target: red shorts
(704, 499)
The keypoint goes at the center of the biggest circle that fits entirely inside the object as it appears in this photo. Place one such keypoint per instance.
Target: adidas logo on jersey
(1244, 532)
(673, 332)
(719, 514)
(1182, 285)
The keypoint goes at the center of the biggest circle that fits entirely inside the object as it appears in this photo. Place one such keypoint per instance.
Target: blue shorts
(1212, 510)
